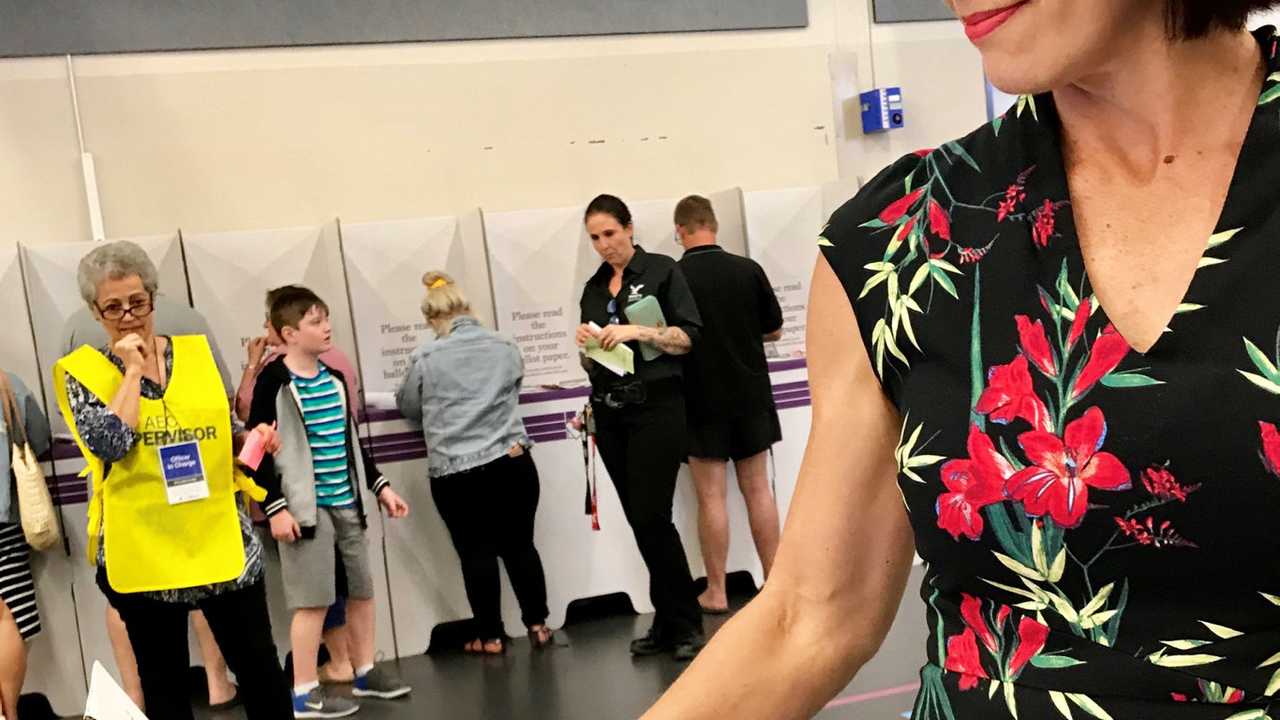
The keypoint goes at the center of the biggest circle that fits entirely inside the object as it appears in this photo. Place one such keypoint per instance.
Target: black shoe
(652, 643)
(688, 648)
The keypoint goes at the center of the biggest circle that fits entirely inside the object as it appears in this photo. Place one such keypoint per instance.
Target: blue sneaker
(316, 705)
(379, 683)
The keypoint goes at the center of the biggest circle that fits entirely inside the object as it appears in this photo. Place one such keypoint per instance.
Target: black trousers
(240, 624)
(489, 512)
(642, 447)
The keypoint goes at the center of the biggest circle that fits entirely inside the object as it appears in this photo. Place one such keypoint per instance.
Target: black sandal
(542, 638)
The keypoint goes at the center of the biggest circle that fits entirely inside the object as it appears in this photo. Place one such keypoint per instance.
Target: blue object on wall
(882, 110)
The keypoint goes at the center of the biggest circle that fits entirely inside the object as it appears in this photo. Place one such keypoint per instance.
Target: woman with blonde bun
(464, 390)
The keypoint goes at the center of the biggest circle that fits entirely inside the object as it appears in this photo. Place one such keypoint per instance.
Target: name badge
(183, 471)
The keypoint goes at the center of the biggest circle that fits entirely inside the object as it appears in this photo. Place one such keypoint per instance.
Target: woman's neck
(1159, 99)
(621, 267)
(444, 326)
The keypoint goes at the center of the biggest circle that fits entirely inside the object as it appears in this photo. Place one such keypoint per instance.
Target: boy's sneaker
(379, 683)
(316, 704)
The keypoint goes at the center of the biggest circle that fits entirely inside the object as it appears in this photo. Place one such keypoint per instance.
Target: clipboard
(647, 312)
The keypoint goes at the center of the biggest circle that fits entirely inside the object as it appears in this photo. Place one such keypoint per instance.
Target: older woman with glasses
(151, 417)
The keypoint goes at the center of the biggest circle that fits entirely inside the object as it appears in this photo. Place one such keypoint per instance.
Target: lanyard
(592, 505)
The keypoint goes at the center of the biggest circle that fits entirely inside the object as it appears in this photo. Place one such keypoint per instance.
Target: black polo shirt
(648, 274)
(727, 375)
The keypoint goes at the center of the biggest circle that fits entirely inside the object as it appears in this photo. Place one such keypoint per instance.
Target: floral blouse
(1099, 525)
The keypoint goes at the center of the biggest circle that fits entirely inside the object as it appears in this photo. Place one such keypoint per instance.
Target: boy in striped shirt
(314, 501)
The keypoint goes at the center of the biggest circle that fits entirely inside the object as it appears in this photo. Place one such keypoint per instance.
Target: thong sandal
(482, 647)
(542, 638)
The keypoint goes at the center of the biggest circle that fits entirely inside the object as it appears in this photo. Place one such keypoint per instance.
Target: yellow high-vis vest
(151, 544)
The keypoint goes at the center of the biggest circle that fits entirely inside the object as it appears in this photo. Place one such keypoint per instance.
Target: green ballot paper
(620, 360)
(647, 312)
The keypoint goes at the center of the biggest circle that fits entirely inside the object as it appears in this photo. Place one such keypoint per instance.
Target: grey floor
(595, 678)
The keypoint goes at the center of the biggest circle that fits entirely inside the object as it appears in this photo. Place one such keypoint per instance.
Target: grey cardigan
(289, 475)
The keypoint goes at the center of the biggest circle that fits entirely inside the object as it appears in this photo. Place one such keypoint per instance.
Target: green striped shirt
(324, 414)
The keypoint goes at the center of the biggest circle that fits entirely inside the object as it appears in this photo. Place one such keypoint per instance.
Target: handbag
(35, 505)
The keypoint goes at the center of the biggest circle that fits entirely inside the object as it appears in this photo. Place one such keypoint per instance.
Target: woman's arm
(128, 397)
(844, 558)
(102, 430)
(670, 340)
(409, 395)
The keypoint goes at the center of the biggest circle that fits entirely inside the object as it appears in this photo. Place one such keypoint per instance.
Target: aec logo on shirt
(635, 293)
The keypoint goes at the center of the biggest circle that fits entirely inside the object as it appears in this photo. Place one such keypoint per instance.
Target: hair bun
(435, 280)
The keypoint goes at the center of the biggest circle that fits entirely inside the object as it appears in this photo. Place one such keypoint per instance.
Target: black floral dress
(1101, 527)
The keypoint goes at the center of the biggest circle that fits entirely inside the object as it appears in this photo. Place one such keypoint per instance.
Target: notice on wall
(385, 263)
(394, 351)
(546, 340)
(782, 230)
(793, 296)
(539, 260)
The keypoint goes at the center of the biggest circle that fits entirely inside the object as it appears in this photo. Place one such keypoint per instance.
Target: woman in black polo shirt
(640, 418)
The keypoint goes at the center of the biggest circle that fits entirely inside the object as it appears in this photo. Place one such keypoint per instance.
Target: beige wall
(270, 138)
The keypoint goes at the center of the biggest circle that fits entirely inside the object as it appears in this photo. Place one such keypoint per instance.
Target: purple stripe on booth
(785, 365)
(793, 404)
(554, 394)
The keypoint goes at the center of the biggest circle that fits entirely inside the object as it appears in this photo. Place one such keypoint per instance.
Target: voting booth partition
(523, 273)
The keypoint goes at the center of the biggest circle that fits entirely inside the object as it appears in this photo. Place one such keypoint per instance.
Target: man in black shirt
(729, 396)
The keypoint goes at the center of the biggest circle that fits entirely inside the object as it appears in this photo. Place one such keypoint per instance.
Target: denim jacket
(463, 389)
(37, 427)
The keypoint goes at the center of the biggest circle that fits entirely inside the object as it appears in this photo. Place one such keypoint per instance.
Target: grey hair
(115, 261)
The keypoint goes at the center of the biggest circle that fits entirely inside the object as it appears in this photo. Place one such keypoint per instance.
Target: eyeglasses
(117, 312)
(613, 312)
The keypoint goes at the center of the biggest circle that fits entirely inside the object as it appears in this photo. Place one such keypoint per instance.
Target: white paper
(107, 701)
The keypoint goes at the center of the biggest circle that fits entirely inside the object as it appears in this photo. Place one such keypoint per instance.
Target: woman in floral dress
(1060, 336)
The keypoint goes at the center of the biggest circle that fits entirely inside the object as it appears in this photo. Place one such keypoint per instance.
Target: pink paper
(253, 450)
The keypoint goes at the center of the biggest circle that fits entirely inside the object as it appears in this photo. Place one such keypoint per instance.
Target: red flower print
(968, 256)
(1043, 229)
(1164, 486)
(1270, 447)
(1063, 469)
(1002, 616)
(1080, 323)
(962, 657)
(1148, 533)
(1179, 697)
(899, 207)
(923, 152)
(1108, 351)
(1014, 195)
(1009, 395)
(971, 611)
(973, 483)
(1031, 638)
(939, 220)
(1035, 345)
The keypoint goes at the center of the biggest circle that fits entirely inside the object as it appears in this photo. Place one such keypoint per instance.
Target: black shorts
(735, 438)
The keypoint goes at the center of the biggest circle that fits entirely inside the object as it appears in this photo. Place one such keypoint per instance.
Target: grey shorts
(307, 566)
